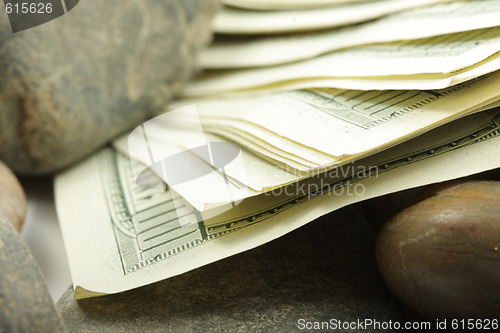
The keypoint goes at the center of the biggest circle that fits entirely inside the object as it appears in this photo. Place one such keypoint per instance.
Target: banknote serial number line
(29, 8)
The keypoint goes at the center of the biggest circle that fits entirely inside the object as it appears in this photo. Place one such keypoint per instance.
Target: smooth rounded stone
(25, 302)
(441, 256)
(69, 86)
(12, 198)
(380, 209)
(323, 272)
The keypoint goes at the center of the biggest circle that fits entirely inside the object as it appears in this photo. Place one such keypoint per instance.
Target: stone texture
(70, 85)
(441, 256)
(325, 270)
(379, 210)
(25, 303)
(12, 198)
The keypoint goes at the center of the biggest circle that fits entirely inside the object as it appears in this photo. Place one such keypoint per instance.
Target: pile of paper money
(389, 44)
(305, 107)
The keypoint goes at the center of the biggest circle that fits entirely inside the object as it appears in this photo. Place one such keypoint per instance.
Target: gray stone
(25, 303)
(441, 256)
(321, 272)
(70, 85)
(12, 198)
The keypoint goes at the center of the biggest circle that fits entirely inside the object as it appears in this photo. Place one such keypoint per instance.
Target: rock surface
(379, 210)
(321, 272)
(25, 303)
(70, 85)
(441, 256)
(12, 198)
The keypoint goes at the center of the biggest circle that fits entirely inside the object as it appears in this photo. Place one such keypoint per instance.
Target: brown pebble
(380, 209)
(440, 256)
(12, 198)
(25, 302)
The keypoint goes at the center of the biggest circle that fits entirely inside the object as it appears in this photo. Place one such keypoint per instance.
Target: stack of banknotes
(304, 107)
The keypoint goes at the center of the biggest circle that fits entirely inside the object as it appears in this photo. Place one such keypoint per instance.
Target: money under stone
(91, 317)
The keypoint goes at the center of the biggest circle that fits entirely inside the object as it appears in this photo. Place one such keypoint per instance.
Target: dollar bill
(284, 4)
(232, 20)
(439, 57)
(439, 19)
(401, 82)
(288, 137)
(121, 236)
(323, 125)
